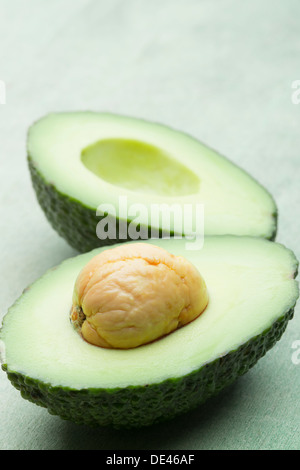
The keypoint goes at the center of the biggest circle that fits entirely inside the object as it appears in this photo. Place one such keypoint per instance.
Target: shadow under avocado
(164, 435)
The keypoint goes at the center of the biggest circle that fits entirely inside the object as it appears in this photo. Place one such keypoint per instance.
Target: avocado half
(252, 289)
(79, 161)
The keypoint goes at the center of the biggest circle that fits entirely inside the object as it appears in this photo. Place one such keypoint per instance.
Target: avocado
(82, 160)
(252, 293)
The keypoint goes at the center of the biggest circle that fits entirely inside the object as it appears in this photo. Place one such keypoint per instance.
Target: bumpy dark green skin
(139, 406)
(75, 222)
(72, 220)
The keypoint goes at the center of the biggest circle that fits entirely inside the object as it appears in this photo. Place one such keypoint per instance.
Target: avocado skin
(74, 221)
(71, 219)
(138, 406)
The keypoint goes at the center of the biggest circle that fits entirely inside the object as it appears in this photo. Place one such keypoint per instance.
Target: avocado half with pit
(252, 294)
(80, 161)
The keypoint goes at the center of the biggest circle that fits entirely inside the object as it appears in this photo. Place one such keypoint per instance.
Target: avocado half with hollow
(80, 161)
(252, 294)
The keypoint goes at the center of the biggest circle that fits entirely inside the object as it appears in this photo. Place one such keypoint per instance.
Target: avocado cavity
(139, 166)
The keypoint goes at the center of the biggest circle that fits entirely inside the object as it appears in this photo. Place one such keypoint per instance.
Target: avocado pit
(134, 294)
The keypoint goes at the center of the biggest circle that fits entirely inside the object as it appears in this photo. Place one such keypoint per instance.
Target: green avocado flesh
(252, 293)
(79, 161)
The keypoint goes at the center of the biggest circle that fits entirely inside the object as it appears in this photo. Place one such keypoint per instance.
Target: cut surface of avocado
(79, 161)
(252, 294)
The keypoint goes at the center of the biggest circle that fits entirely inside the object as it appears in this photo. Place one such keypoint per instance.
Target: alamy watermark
(140, 222)
(2, 92)
(296, 353)
(295, 97)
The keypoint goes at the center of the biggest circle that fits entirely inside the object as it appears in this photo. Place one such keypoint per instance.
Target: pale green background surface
(220, 70)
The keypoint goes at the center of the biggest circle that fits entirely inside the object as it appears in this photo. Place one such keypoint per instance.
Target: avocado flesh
(79, 161)
(252, 295)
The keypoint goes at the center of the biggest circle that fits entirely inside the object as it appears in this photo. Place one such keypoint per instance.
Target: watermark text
(2, 92)
(295, 97)
(140, 222)
(296, 353)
